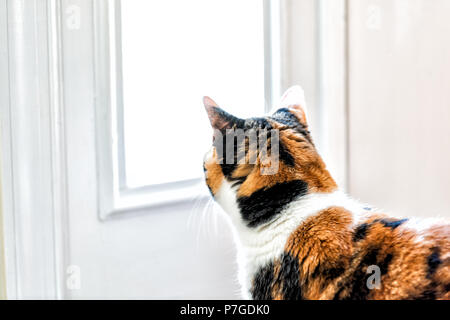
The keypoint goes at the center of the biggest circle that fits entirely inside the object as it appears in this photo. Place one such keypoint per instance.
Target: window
(155, 76)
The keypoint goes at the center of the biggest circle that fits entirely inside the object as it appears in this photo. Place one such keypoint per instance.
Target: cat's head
(258, 166)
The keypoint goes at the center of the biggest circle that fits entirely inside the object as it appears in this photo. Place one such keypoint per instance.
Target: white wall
(399, 105)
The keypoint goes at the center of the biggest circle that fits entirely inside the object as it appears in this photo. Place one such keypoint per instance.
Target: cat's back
(337, 254)
(411, 257)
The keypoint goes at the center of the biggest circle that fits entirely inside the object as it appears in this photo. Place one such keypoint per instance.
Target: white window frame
(113, 196)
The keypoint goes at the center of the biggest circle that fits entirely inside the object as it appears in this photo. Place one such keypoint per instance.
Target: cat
(299, 236)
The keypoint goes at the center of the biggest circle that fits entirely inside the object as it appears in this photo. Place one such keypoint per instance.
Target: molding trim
(7, 260)
(59, 151)
(32, 161)
(272, 52)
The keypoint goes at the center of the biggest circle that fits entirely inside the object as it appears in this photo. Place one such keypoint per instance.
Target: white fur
(266, 242)
(421, 226)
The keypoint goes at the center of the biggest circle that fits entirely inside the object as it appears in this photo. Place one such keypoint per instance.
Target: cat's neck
(277, 230)
(266, 243)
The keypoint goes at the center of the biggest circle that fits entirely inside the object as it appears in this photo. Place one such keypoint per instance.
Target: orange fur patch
(331, 261)
(214, 174)
(321, 242)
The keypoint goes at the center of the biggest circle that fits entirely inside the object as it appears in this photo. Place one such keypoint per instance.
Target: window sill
(148, 199)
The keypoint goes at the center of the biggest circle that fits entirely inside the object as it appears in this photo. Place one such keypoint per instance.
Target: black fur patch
(284, 116)
(290, 277)
(328, 273)
(384, 265)
(429, 293)
(433, 262)
(286, 156)
(264, 204)
(447, 287)
(220, 144)
(262, 283)
(257, 123)
(357, 283)
(360, 232)
(393, 224)
(359, 289)
(237, 181)
(287, 118)
(228, 119)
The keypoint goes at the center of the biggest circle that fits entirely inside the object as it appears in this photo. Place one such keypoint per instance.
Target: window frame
(114, 198)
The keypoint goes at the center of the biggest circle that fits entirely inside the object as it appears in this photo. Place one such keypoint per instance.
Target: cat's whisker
(196, 217)
(203, 221)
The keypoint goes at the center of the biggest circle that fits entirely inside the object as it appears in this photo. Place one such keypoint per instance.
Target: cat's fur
(302, 238)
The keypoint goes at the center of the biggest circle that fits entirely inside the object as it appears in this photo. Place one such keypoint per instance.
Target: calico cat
(299, 236)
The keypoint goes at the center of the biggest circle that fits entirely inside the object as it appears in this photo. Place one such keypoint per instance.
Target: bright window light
(173, 53)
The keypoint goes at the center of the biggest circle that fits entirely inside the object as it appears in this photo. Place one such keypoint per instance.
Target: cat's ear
(294, 100)
(219, 119)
